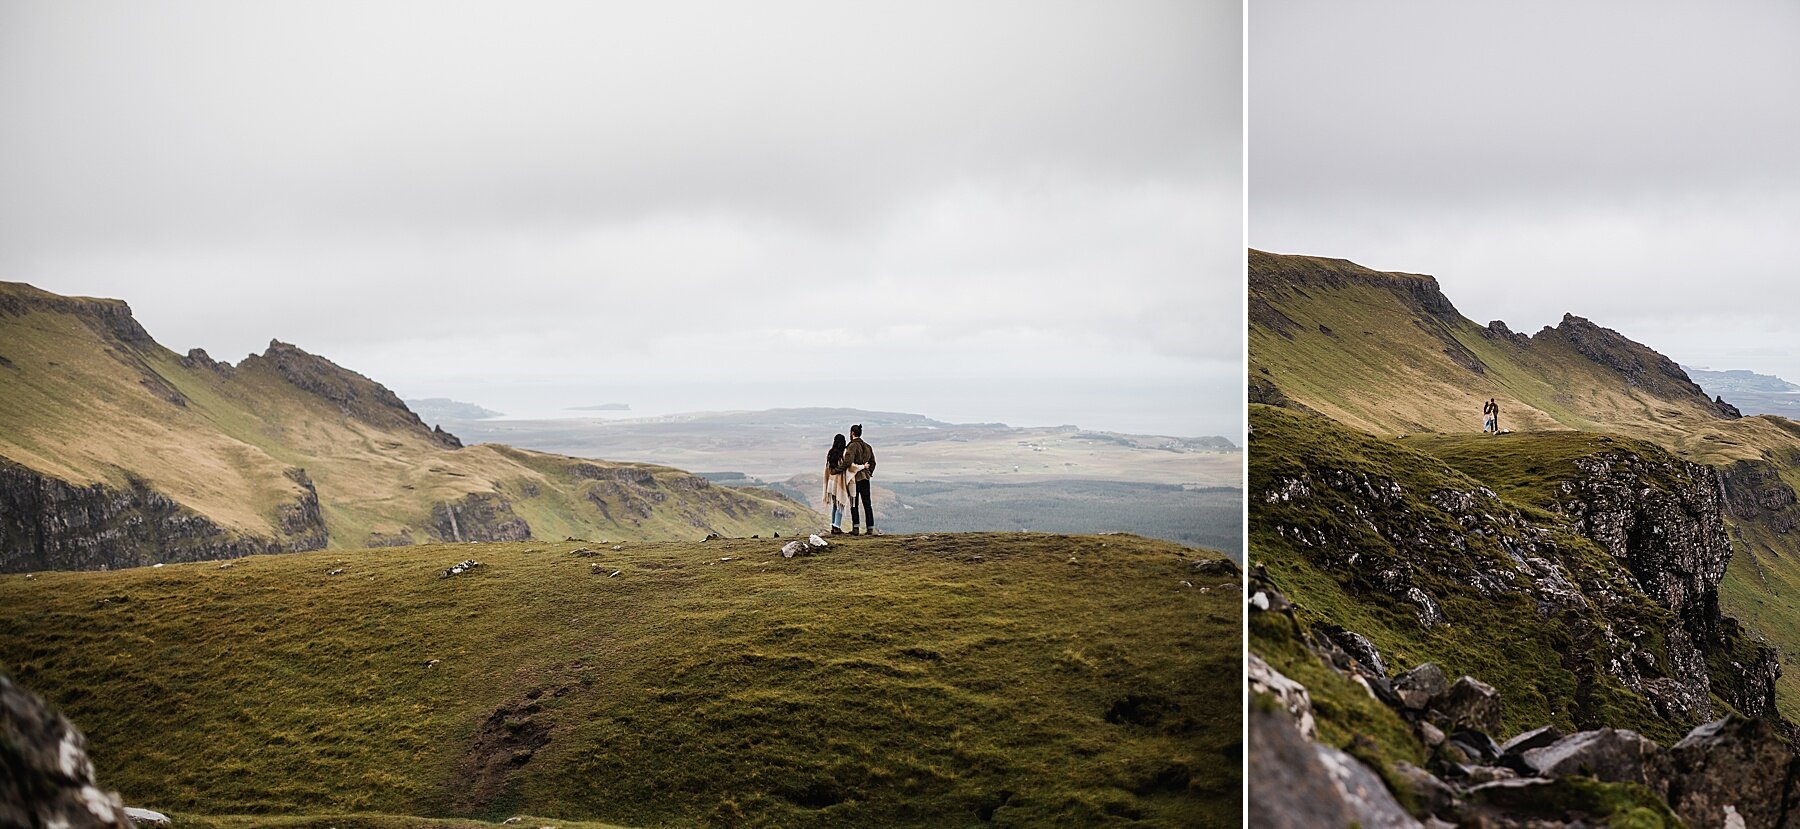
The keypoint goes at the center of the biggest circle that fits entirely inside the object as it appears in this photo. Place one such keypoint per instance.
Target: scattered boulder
(1372, 806)
(1733, 772)
(1430, 735)
(146, 817)
(1610, 755)
(1477, 746)
(1418, 687)
(338, 572)
(1292, 695)
(796, 548)
(1430, 795)
(816, 541)
(1477, 775)
(1469, 703)
(48, 779)
(584, 552)
(1360, 649)
(460, 568)
(1216, 567)
(1535, 738)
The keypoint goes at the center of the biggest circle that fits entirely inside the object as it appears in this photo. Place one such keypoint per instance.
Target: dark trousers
(862, 493)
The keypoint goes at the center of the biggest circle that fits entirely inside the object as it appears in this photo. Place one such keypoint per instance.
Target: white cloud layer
(818, 201)
(1627, 162)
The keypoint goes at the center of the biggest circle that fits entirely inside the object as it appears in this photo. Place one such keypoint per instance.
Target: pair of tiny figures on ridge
(848, 467)
(1490, 417)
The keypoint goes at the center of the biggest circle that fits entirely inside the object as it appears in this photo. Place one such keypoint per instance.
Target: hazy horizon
(1013, 211)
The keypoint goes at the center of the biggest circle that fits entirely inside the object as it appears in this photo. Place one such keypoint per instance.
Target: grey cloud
(1041, 189)
(1628, 162)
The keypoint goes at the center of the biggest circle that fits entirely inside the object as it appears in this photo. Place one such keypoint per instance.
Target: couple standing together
(848, 467)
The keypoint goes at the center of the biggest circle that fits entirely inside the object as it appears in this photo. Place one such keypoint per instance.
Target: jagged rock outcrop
(1640, 365)
(1664, 519)
(355, 395)
(50, 524)
(479, 516)
(1498, 330)
(197, 358)
(46, 778)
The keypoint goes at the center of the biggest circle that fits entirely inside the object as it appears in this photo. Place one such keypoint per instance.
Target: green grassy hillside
(88, 398)
(945, 680)
(1388, 354)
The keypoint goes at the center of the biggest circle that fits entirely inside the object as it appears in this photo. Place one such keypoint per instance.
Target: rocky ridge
(116, 452)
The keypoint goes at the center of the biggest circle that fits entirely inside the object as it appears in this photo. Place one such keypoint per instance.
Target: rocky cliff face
(1274, 272)
(50, 524)
(479, 516)
(1663, 519)
(111, 317)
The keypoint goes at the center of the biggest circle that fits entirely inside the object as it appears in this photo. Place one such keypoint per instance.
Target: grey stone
(1528, 740)
(1430, 735)
(1610, 755)
(1469, 703)
(1292, 695)
(1733, 768)
(1430, 795)
(1418, 687)
(1290, 787)
(48, 779)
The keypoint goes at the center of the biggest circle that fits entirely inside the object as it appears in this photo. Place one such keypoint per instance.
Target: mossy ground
(978, 679)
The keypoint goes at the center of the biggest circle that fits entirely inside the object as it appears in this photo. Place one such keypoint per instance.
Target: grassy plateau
(989, 679)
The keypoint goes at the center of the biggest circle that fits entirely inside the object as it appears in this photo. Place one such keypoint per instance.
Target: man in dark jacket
(859, 453)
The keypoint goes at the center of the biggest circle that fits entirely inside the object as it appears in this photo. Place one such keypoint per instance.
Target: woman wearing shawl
(837, 484)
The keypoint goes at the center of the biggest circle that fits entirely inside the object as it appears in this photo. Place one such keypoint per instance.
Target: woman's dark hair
(836, 455)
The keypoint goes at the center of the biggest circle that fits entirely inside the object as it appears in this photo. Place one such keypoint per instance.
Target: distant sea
(1179, 409)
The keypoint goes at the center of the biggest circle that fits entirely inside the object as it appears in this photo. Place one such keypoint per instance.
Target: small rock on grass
(146, 817)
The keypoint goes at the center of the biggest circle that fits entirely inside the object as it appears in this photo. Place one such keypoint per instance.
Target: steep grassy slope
(945, 680)
(1387, 353)
(285, 450)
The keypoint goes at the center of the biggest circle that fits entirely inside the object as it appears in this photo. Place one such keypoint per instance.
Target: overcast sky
(1026, 212)
(1634, 163)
